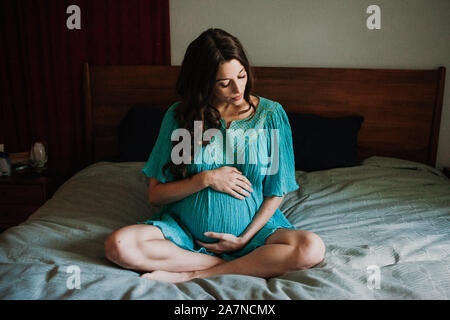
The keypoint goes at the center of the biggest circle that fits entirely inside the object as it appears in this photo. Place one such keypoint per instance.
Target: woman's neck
(229, 111)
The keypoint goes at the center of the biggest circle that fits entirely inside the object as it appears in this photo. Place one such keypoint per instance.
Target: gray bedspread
(386, 225)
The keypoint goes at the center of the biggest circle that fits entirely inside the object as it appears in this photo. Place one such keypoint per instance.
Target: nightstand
(446, 171)
(21, 195)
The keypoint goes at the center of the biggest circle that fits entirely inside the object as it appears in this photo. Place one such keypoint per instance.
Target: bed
(385, 217)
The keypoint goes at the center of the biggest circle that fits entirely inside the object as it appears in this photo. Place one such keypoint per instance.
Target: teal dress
(251, 147)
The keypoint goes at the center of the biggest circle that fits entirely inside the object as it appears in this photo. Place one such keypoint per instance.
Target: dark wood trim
(434, 137)
(88, 113)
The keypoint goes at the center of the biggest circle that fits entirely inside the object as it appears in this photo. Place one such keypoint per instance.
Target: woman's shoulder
(271, 109)
(169, 118)
(268, 104)
(173, 107)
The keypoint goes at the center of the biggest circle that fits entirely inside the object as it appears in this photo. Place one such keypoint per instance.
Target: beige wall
(327, 33)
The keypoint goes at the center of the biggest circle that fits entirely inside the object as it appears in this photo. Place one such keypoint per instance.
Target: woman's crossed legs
(144, 248)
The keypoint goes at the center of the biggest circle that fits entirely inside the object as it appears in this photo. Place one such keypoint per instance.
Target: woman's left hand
(227, 242)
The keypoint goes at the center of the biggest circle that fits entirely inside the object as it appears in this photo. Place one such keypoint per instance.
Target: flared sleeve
(161, 152)
(280, 175)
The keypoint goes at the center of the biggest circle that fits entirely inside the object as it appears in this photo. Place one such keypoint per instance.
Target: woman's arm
(265, 212)
(224, 179)
(164, 193)
(228, 242)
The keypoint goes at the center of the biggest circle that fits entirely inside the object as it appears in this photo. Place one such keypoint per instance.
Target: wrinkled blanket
(385, 224)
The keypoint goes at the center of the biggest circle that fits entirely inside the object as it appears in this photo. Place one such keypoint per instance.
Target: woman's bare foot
(166, 276)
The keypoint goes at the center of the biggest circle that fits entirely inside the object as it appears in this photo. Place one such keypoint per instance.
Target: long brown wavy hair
(196, 82)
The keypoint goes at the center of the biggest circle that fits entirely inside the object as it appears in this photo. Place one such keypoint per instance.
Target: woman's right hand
(230, 180)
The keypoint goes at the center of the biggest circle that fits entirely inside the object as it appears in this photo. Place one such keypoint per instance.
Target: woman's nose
(235, 88)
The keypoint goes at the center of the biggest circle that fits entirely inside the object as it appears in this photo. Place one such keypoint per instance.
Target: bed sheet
(385, 224)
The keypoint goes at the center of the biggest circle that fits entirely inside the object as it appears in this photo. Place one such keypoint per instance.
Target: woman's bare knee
(121, 246)
(115, 247)
(310, 251)
(307, 251)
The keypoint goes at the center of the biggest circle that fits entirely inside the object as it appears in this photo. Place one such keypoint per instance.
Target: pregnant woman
(219, 214)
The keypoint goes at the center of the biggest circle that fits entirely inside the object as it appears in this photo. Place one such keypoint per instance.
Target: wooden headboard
(401, 108)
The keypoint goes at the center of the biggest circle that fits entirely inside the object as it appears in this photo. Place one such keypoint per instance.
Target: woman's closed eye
(224, 86)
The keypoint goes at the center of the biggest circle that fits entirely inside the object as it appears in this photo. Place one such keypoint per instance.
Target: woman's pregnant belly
(210, 210)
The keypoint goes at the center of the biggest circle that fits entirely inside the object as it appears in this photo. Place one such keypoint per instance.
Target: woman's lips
(238, 97)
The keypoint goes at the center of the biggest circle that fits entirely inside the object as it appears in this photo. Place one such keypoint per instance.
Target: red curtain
(41, 66)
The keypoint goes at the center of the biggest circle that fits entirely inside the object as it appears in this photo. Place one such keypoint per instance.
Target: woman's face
(231, 79)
